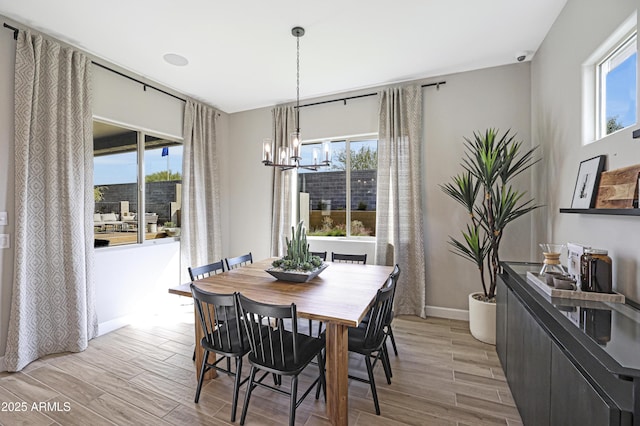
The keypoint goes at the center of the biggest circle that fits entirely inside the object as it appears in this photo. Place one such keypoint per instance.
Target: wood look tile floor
(143, 374)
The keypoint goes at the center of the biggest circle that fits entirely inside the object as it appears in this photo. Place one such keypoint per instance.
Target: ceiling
(242, 55)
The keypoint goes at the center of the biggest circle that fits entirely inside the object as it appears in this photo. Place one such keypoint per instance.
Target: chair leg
(236, 388)
(321, 383)
(393, 340)
(384, 357)
(252, 376)
(277, 379)
(293, 400)
(201, 378)
(372, 382)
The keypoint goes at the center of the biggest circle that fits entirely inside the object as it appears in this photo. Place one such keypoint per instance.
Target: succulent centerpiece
(298, 264)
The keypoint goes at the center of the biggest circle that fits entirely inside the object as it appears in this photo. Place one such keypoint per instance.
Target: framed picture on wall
(586, 190)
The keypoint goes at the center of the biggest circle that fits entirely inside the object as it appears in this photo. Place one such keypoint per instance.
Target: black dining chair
(223, 335)
(321, 254)
(349, 258)
(238, 261)
(369, 339)
(395, 274)
(199, 272)
(278, 351)
(392, 280)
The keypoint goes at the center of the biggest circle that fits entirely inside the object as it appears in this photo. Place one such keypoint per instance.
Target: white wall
(343, 245)
(132, 281)
(123, 101)
(495, 97)
(580, 29)
(247, 204)
(471, 101)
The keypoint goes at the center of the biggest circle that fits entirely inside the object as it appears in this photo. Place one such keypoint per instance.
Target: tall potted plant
(485, 190)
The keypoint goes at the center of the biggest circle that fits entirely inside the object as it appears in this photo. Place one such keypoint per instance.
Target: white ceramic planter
(482, 320)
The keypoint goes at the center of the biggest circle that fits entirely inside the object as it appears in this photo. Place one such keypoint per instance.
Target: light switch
(4, 241)
(3, 218)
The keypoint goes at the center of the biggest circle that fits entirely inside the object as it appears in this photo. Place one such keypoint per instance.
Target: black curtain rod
(438, 84)
(14, 29)
(144, 85)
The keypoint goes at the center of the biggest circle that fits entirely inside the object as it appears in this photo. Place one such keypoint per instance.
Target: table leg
(199, 352)
(337, 370)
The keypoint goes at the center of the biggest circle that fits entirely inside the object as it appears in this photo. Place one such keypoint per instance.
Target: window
(616, 88)
(340, 201)
(163, 184)
(119, 163)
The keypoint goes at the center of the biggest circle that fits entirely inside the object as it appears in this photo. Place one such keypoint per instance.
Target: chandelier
(289, 157)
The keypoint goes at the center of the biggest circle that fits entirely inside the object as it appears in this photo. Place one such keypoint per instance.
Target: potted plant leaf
(485, 190)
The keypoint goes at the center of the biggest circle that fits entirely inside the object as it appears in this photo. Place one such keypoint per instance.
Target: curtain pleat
(399, 228)
(281, 211)
(200, 216)
(52, 303)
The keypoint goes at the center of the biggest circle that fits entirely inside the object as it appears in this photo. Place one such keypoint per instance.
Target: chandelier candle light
(288, 157)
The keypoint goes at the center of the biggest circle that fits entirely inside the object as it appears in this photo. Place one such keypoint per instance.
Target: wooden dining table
(340, 297)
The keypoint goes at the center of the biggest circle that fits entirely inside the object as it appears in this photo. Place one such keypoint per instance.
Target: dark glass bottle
(595, 271)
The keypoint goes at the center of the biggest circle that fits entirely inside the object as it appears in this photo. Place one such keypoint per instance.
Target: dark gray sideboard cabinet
(528, 358)
(573, 400)
(556, 376)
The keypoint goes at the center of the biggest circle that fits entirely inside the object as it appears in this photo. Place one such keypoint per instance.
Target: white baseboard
(114, 324)
(449, 313)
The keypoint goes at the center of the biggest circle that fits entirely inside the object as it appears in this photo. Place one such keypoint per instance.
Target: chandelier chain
(298, 83)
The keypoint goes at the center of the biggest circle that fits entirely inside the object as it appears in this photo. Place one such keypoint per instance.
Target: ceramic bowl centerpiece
(298, 265)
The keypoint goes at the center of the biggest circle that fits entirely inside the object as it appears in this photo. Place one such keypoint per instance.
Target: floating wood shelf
(616, 212)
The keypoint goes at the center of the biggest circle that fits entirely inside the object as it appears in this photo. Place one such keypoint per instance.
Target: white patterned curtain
(52, 304)
(399, 230)
(281, 213)
(200, 241)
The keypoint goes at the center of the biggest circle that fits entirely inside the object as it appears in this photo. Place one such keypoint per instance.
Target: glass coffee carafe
(551, 261)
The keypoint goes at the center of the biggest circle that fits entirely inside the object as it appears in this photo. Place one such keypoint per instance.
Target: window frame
(629, 40)
(347, 140)
(141, 135)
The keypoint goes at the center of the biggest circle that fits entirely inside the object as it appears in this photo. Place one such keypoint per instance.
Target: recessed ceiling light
(175, 59)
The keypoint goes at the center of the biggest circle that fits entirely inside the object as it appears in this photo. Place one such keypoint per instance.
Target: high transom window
(617, 88)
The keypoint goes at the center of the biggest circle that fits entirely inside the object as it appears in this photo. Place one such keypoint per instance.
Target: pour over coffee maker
(552, 262)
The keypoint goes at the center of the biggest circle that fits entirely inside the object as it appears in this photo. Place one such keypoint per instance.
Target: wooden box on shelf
(618, 188)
